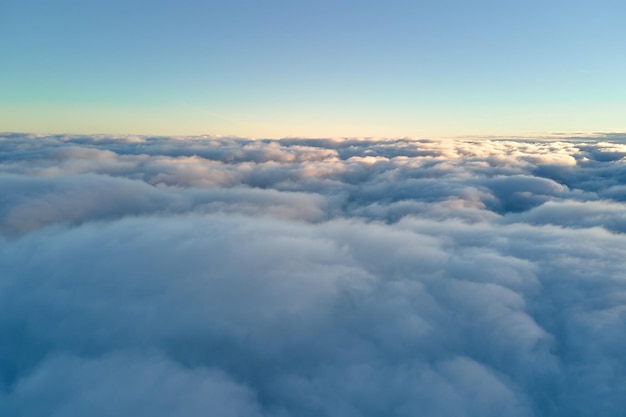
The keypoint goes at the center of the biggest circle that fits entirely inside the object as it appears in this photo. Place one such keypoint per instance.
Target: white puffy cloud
(227, 277)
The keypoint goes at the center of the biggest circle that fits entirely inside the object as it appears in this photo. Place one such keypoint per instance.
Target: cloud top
(230, 277)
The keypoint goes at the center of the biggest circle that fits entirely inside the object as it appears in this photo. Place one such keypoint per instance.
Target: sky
(166, 277)
(312, 68)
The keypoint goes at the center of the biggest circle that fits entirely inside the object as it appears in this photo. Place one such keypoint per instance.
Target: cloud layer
(229, 277)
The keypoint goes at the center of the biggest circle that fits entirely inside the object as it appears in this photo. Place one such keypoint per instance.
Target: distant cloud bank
(341, 278)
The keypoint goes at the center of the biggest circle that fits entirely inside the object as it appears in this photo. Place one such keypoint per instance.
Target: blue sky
(314, 68)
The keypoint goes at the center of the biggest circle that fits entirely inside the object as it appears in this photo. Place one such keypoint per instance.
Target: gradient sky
(312, 68)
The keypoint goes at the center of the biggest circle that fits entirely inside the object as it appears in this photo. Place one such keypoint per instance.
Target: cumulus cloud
(344, 277)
